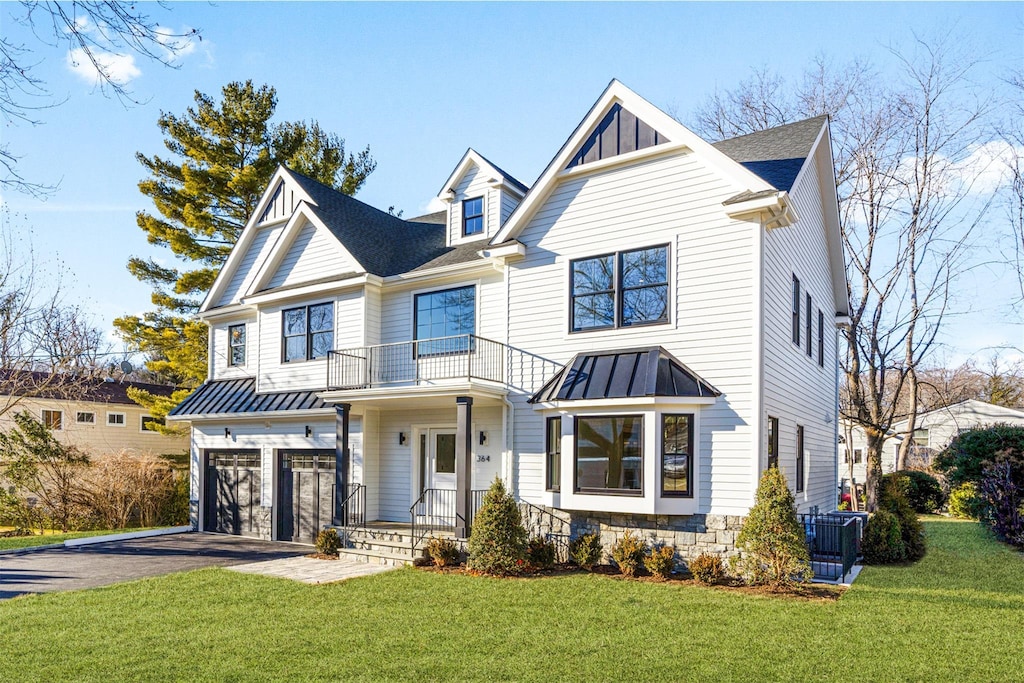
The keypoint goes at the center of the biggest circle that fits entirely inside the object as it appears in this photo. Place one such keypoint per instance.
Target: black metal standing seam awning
(629, 373)
(236, 396)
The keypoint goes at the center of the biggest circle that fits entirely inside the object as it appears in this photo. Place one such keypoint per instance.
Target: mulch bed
(322, 556)
(812, 591)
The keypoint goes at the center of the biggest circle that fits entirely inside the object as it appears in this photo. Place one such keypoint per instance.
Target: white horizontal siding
(796, 389)
(474, 184)
(257, 252)
(313, 254)
(509, 202)
(220, 350)
(678, 201)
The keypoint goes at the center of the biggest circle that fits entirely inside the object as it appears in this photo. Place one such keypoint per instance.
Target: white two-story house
(629, 342)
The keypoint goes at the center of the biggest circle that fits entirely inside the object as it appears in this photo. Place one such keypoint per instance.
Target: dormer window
(472, 216)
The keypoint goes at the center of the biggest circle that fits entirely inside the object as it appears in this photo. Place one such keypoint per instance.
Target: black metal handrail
(432, 512)
(353, 510)
(545, 528)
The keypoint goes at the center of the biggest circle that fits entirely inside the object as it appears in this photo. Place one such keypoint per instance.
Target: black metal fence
(833, 541)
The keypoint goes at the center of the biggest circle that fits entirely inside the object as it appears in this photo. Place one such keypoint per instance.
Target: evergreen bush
(586, 550)
(965, 502)
(892, 498)
(662, 561)
(774, 549)
(629, 553)
(328, 542)
(540, 553)
(883, 540)
(443, 552)
(707, 568)
(923, 491)
(497, 543)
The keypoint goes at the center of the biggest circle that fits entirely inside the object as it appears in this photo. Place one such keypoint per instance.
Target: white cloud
(433, 206)
(118, 68)
(177, 44)
(986, 167)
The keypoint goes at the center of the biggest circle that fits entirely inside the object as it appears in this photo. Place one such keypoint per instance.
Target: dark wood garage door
(306, 488)
(232, 491)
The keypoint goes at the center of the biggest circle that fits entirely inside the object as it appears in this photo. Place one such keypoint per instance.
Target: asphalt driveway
(100, 564)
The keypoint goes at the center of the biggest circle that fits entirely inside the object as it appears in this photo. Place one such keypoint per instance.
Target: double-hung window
(796, 310)
(821, 338)
(623, 289)
(676, 455)
(445, 321)
(808, 326)
(472, 216)
(236, 344)
(553, 454)
(308, 332)
(799, 458)
(609, 454)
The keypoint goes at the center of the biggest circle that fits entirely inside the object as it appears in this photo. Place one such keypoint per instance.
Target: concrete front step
(385, 546)
(376, 557)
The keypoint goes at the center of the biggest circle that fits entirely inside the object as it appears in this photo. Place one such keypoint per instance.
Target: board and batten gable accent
(312, 254)
(275, 375)
(619, 132)
(675, 199)
(245, 271)
(797, 390)
(280, 205)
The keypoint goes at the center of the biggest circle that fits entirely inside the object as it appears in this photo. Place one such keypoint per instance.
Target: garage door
(306, 486)
(232, 491)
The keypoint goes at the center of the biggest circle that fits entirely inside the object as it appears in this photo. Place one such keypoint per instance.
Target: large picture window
(553, 454)
(236, 342)
(676, 455)
(442, 314)
(609, 454)
(308, 332)
(619, 290)
(473, 216)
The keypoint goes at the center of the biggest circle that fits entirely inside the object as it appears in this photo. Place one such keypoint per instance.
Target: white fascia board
(617, 93)
(843, 321)
(616, 403)
(507, 251)
(242, 245)
(303, 213)
(472, 157)
(251, 417)
(754, 207)
(822, 155)
(310, 290)
(439, 272)
(233, 311)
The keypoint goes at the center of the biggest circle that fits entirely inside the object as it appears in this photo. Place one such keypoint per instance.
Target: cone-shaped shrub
(772, 540)
(892, 497)
(883, 543)
(497, 542)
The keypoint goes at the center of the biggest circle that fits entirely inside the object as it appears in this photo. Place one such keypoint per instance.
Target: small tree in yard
(772, 540)
(497, 543)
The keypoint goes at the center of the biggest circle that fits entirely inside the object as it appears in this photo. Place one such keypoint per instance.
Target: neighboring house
(630, 342)
(94, 415)
(933, 431)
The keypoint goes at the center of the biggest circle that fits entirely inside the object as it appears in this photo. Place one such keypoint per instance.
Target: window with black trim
(308, 332)
(472, 216)
(807, 325)
(796, 310)
(773, 442)
(677, 455)
(799, 458)
(553, 454)
(821, 338)
(623, 289)
(236, 344)
(444, 321)
(53, 420)
(609, 454)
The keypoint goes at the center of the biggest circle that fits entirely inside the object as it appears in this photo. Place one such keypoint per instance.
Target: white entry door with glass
(437, 476)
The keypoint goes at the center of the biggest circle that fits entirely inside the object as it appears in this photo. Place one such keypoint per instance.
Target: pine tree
(772, 540)
(223, 155)
(497, 542)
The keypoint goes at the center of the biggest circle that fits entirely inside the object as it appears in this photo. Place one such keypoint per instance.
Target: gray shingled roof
(776, 154)
(384, 244)
(506, 175)
(627, 373)
(437, 218)
(234, 396)
(71, 388)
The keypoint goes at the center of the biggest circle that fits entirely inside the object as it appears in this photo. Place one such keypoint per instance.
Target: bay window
(676, 455)
(609, 454)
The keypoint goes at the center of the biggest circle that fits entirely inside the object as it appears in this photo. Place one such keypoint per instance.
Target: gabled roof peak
(471, 157)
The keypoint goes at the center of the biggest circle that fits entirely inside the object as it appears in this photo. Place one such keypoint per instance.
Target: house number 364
(483, 458)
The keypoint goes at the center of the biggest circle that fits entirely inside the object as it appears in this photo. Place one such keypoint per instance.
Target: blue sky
(421, 82)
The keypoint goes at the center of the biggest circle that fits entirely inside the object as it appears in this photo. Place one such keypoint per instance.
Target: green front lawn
(56, 537)
(956, 615)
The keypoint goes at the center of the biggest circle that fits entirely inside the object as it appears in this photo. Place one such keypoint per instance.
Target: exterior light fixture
(309, 431)
(483, 438)
(227, 432)
(401, 438)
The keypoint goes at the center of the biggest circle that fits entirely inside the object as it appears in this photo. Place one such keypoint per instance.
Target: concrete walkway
(311, 570)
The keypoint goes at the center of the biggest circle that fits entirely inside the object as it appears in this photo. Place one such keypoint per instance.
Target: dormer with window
(480, 197)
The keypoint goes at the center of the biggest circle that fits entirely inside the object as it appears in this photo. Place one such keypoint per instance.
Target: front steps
(383, 544)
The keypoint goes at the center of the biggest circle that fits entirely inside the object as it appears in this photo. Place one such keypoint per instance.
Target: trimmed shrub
(883, 540)
(1004, 503)
(965, 502)
(971, 451)
(443, 552)
(540, 553)
(328, 542)
(892, 498)
(586, 550)
(629, 553)
(497, 543)
(707, 569)
(661, 562)
(923, 491)
(772, 540)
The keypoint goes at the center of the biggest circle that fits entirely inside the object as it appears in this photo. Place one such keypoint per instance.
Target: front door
(438, 465)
